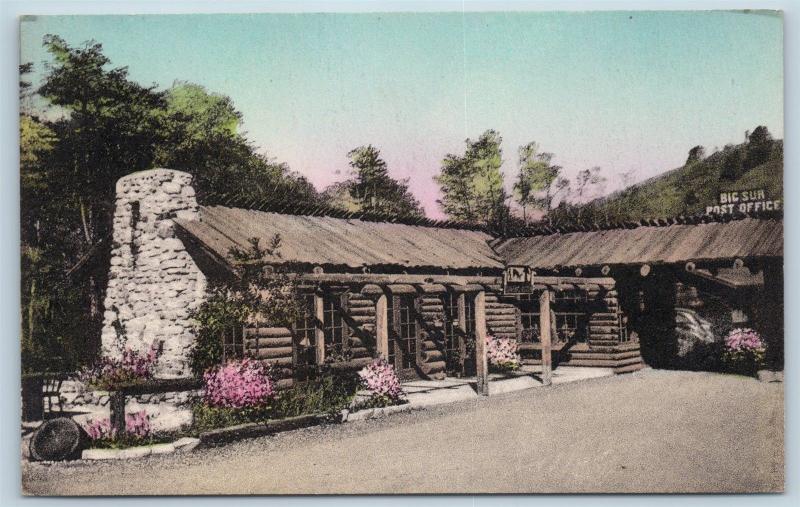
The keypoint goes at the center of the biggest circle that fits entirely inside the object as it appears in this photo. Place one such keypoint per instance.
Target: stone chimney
(153, 282)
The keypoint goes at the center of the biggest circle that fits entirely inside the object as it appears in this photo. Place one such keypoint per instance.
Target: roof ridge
(542, 229)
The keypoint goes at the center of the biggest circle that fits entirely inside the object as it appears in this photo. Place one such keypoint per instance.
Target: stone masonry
(153, 282)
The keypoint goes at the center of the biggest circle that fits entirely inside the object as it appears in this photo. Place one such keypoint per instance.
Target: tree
(586, 181)
(371, 189)
(758, 147)
(472, 184)
(538, 182)
(695, 154)
(103, 126)
(200, 135)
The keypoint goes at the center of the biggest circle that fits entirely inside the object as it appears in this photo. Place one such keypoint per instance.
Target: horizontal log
(280, 361)
(429, 345)
(267, 332)
(362, 310)
(511, 319)
(363, 319)
(271, 353)
(353, 364)
(506, 329)
(425, 300)
(284, 383)
(252, 345)
(596, 329)
(432, 356)
(273, 341)
(432, 288)
(434, 367)
(504, 310)
(432, 315)
(357, 299)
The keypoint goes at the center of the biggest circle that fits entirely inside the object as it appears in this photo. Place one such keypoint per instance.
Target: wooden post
(482, 366)
(117, 406)
(319, 332)
(462, 326)
(382, 326)
(546, 338)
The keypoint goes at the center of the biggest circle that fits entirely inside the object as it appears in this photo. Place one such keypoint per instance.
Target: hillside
(687, 190)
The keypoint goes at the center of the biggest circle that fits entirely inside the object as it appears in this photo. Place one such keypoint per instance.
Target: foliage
(205, 417)
(138, 431)
(756, 164)
(472, 184)
(91, 125)
(371, 189)
(538, 182)
(250, 294)
(328, 393)
(380, 380)
(744, 351)
(132, 367)
(502, 353)
(244, 383)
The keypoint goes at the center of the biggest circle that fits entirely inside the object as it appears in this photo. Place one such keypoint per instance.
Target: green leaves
(371, 189)
(472, 184)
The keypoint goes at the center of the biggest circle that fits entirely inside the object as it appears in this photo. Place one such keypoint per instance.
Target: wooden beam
(319, 332)
(545, 337)
(382, 326)
(482, 370)
(400, 278)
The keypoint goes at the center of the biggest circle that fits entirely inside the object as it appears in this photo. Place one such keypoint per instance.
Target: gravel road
(652, 431)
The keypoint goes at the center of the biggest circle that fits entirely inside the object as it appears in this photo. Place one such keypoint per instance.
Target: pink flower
(380, 379)
(502, 352)
(239, 384)
(744, 339)
(132, 366)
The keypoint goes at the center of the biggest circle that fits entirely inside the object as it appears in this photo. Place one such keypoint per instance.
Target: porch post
(545, 337)
(382, 326)
(482, 369)
(319, 332)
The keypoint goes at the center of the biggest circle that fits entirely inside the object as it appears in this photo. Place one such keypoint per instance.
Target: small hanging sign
(518, 280)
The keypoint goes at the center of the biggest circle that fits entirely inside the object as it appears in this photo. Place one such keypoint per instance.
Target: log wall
(432, 360)
(275, 345)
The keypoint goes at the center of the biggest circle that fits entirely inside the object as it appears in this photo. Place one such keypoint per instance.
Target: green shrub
(327, 394)
(209, 418)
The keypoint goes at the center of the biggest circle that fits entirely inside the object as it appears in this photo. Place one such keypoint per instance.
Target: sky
(630, 92)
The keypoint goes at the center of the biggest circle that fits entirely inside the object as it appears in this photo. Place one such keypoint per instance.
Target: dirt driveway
(653, 431)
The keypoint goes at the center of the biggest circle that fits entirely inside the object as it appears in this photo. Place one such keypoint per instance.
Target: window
(452, 332)
(335, 330)
(333, 325)
(306, 337)
(233, 343)
(570, 307)
(403, 346)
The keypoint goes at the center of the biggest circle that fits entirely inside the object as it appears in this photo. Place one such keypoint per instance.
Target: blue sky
(626, 91)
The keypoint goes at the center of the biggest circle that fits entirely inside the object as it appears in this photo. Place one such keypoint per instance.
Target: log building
(423, 297)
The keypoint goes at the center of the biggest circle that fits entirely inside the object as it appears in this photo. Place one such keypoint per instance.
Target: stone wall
(153, 282)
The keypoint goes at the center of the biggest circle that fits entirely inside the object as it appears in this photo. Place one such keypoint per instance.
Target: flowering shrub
(132, 367)
(100, 429)
(137, 424)
(244, 383)
(380, 379)
(137, 428)
(744, 351)
(502, 353)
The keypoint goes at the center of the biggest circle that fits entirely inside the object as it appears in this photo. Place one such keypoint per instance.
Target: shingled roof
(354, 243)
(745, 238)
